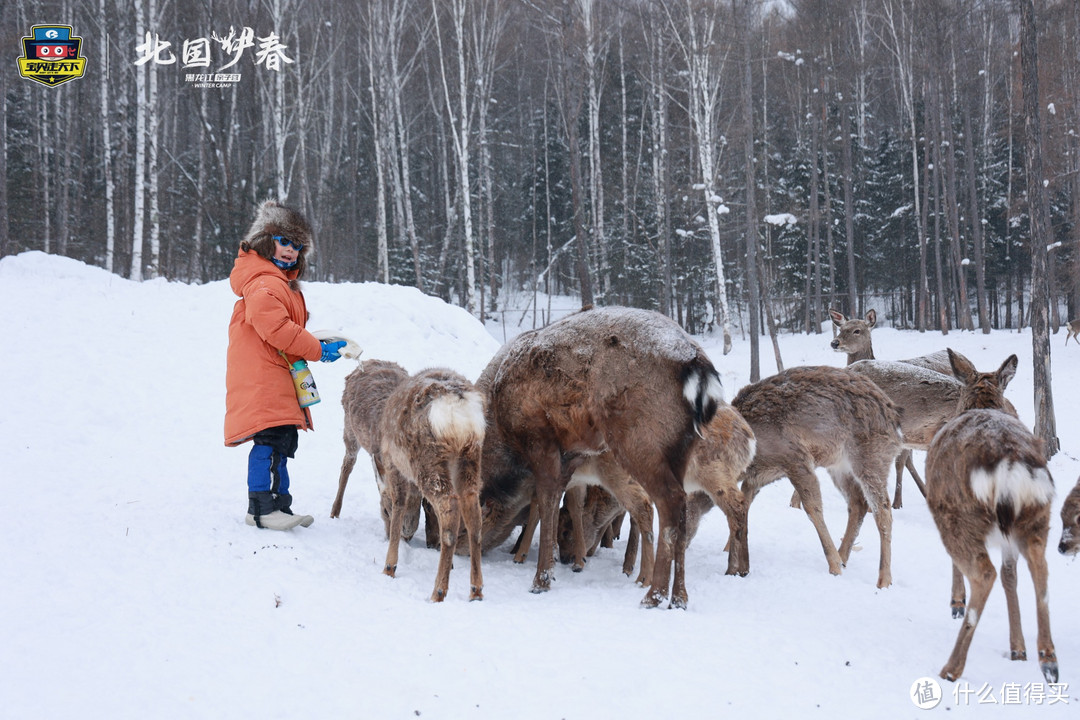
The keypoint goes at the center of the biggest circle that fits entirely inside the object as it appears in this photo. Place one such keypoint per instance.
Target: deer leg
(980, 572)
(735, 507)
(630, 556)
(1034, 551)
(665, 545)
(431, 525)
(575, 505)
(546, 504)
(636, 501)
(806, 482)
(347, 464)
(396, 492)
(524, 541)
(612, 531)
(1008, 581)
(678, 586)
(915, 474)
(877, 495)
(957, 602)
(901, 460)
(470, 513)
(446, 507)
(857, 509)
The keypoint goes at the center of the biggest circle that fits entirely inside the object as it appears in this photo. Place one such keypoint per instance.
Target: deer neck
(860, 355)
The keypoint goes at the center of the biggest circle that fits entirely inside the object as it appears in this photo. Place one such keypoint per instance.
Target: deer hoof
(1018, 655)
(438, 596)
(652, 599)
(1048, 665)
(390, 570)
(678, 603)
(476, 594)
(957, 609)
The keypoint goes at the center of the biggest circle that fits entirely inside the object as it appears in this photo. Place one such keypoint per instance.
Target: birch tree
(459, 119)
(695, 32)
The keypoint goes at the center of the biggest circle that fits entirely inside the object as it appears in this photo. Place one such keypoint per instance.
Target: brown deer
(363, 400)
(713, 469)
(928, 400)
(1074, 331)
(810, 417)
(432, 434)
(1070, 522)
(620, 380)
(987, 483)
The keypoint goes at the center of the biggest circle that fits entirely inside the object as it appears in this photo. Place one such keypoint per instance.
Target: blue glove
(330, 350)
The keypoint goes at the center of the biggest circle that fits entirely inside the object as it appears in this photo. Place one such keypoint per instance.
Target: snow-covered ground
(131, 588)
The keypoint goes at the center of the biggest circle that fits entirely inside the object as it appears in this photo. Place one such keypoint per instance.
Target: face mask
(282, 264)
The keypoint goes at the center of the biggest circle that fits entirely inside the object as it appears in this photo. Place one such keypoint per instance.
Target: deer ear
(962, 368)
(837, 317)
(1007, 370)
(871, 317)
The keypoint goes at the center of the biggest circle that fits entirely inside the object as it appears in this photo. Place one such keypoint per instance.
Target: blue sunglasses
(286, 242)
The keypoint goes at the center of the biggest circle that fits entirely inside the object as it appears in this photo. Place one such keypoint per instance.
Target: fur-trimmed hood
(273, 218)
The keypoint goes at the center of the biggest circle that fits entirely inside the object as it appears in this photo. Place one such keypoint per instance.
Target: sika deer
(1070, 523)
(987, 483)
(432, 436)
(363, 400)
(1074, 331)
(853, 338)
(713, 469)
(619, 380)
(810, 417)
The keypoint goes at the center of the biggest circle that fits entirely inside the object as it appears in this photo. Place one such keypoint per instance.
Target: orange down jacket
(269, 316)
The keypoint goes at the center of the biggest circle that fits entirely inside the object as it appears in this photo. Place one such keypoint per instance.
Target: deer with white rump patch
(987, 483)
(619, 380)
(432, 436)
(809, 417)
(363, 400)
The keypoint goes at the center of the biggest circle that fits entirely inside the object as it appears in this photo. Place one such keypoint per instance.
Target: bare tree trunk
(152, 156)
(141, 104)
(376, 56)
(697, 41)
(658, 127)
(976, 227)
(1045, 424)
(460, 124)
(747, 11)
(593, 62)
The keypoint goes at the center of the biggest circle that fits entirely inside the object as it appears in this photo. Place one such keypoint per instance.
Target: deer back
(824, 412)
(433, 417)
(630, 380)
(364, 398)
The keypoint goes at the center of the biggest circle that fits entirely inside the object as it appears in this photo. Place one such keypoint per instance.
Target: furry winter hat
(273, 218)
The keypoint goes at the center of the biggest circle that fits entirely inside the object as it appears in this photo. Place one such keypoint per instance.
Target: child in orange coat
(267, 335)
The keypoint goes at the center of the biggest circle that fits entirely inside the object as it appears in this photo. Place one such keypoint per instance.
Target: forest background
(673, 154)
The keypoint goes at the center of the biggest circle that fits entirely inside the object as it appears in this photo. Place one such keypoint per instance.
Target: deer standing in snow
(923, 386)
(620, 380)
(987, 483)
(809, 417)
(715, 464)
(363, 400)
(432, 434)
